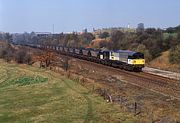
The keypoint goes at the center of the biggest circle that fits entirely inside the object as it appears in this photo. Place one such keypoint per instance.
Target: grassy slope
(35, 95)
(162, 62)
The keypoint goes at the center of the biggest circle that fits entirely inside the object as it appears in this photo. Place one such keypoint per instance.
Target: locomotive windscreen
(137, 56)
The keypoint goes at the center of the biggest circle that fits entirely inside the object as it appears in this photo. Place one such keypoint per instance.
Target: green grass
(36, 95)
(24, 80)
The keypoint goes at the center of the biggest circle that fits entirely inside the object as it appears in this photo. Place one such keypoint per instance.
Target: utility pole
(53, 28)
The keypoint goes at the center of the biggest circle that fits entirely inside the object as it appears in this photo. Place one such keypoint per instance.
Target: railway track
(166, 86)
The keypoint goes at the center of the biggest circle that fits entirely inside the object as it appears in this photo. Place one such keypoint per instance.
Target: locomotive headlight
(134, 62)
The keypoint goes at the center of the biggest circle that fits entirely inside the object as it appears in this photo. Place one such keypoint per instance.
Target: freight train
(123, 59)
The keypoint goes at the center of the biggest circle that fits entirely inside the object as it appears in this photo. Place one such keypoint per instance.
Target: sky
(76, 15)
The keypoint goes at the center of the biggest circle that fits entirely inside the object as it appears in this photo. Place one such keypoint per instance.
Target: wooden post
(150, 116)
(110, 98)
(135, 109)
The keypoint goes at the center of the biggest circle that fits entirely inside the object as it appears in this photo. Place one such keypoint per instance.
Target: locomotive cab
(136, 59)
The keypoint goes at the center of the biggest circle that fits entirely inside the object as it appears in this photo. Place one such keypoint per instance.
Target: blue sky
(75, 15)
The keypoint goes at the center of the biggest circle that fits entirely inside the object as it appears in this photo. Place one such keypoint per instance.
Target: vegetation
(71, 40)
(174, 56)
(24, 80)
(8, 53)
(152, 42)
(104, 35)
(22, 56)
(36, 95)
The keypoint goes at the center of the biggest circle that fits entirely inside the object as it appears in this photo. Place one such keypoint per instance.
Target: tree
(74, 40)
(166, 43)
(142, 48)
(142, 37)
(170, 30)
(150, 30)
(104, 35)
(116, 38)
(87, 38)
(8, 37)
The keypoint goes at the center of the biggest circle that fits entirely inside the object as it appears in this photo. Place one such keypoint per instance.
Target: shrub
(22, 57)
(174, 55)
(6, 52)
(142, 48)
(104, 35)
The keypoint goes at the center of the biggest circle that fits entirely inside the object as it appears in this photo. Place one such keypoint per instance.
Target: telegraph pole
(53, 28)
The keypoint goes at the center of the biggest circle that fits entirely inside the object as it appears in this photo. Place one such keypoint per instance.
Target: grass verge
(35, 95)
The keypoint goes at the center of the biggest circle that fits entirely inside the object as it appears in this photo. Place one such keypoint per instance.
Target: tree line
(152, 42)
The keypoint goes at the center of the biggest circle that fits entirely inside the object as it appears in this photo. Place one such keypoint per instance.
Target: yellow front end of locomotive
(136, 61)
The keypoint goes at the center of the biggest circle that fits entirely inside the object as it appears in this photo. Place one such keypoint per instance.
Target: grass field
(30, 94)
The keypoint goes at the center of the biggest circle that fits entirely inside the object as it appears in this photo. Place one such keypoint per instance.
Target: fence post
(135, 109)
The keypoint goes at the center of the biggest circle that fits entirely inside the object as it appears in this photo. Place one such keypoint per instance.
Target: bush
(104, 35)
(22, 57)
(6, 52)
(174, 55)
(142, 48)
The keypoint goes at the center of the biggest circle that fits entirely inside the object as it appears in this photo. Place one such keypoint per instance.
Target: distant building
(43, 34)
(140, 27)
(94, 29)
(85, 30)
(128, 26)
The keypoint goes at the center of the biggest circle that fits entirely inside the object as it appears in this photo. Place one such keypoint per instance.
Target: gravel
(163, 73)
